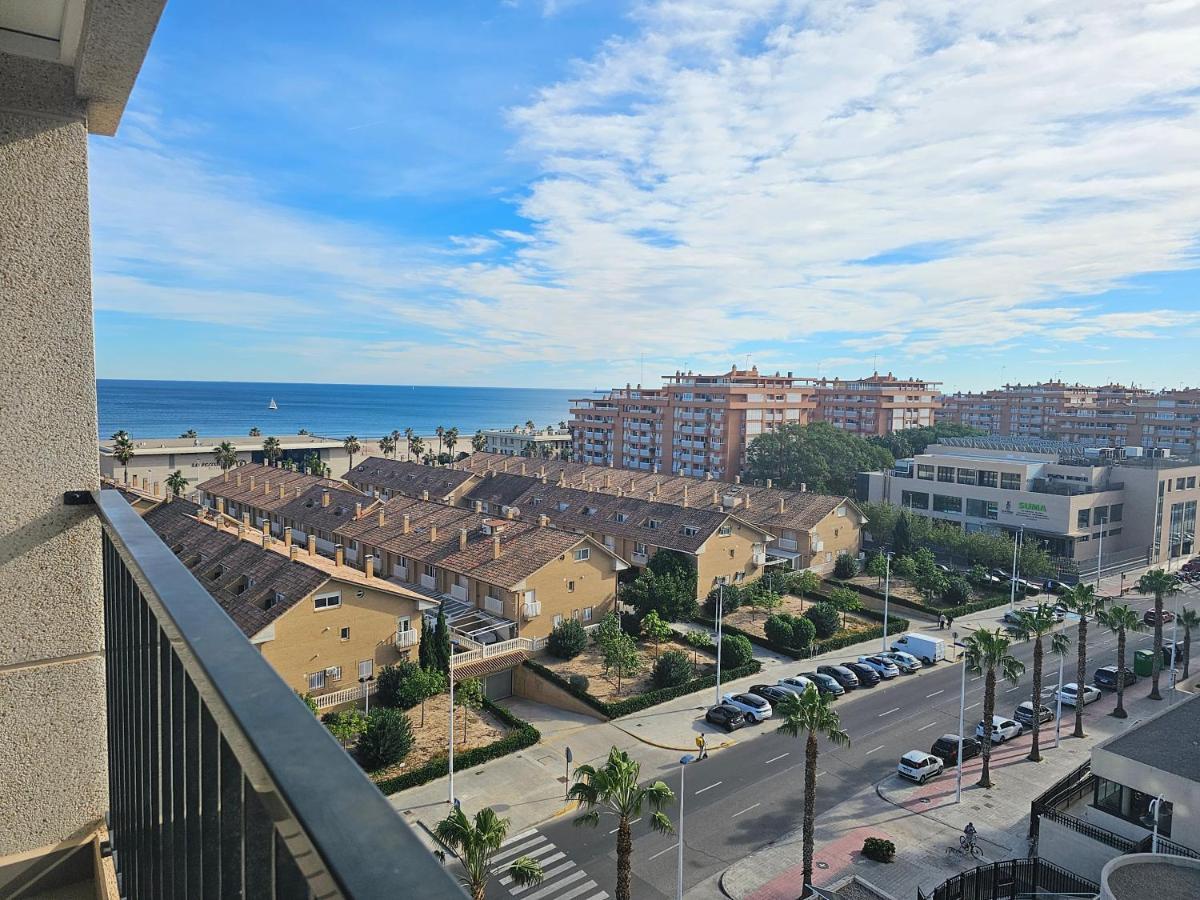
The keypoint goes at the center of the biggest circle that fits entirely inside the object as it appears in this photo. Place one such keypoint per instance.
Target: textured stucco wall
(52, 726)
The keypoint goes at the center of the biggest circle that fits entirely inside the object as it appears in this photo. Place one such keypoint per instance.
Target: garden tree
(1160, 584)
(1035, 562)
(389, 684)
(845, 567)
(478, 442)
(655, 629)
(225, 455)
(911, 441)
(621, 656)
(387, 445)
(190, 433)
(789, 631)
(567, 639)
(386, 740)
(845, 600)
(442, 651)
(468, 694)
(428, 459)
(309, 701)
(809, 714)
(176, 483)
(1083, 600)
(672, 669)
(805, 582)
(608, 630)
(346, 726)
(667, 585)
(315, 466)
(902, 536)
(824, 617)
(1120, 620)
(763, 600)
(736, 651)
(477, 844)
(958, 591)
(904, 568)
(825, 458)
(426, 684)
(450, 438)
(122, 450)
(876, 567)
(272, 450)
(352, 446)
(615, 788)
(986, 653)
(978, 575)
(1189, 619)
(1037, 623)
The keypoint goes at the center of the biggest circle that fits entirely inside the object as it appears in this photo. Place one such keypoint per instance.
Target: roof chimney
(251, 482)
(746, 502)
(225, 475)
(266, 542)
(241, 531)
(266, 487)
(522, 468)
(358, 509)
(237, 475)
(324, 496)
(620, 492)
(424, 495)
(462, 539)
(607, 480)
(156, 489)
(477, 506)
(283, 492)
(220, 506)
(495, 546)
(545, 480)
(780, 504)
(339, 555)
(769, 483)
(562, 478)
(246, 519)
(803, 487)
(510, 513)
(287, 538)
(685, 495)
(369, 566)
(543, 520)
(312, 545)
(382, 517)
(542, 472)
(293, 553)
(432, 533)
(737, 479)
(406, 524)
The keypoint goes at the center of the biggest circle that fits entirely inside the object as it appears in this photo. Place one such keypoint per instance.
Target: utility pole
(720, 609)
(962, 711)
(887, 587)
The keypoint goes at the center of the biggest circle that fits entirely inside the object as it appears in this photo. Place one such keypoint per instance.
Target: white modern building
(547, 443)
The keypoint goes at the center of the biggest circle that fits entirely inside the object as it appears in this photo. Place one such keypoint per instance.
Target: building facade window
(587, 614)
(582, 554)
(366, 668)
(1083, 518)
(966, 476)
(946, 474)
(1010, 481)
(327, 601)
(924, 472)
(345, 633)
(725, 531)
(316, 680)
(1116, 512)
(914, 499)
(1131, 805)
(989, 478)
(947, 504)
(982, 509)
(570, 587)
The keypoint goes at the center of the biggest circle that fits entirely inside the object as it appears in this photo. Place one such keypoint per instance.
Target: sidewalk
(923, 820)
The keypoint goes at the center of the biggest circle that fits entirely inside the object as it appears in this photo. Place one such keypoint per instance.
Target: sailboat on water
(272, 404)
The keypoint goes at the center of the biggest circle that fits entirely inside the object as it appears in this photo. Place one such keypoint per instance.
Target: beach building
(156, 458)
(545, 443)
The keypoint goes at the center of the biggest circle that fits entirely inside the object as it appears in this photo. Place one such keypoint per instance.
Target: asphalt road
(741, 799)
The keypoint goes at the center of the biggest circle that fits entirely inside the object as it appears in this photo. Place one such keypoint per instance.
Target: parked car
(946, 747)
(905, 662)
(826, 684)
(884, 668)
(924, 647)
(794, 683)
(1002, 729)
(843, 676)
(1012, 617)
(919, 766)
(1054, 586)
(867, 677)
(1024, 713)
(725, 715)
(1167, 616)
(944, 569)
(1105, 678)
(752, 706)
(1070, 694)
(772, 693)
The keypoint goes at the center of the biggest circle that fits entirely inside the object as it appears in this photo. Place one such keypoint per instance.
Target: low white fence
(346, 695)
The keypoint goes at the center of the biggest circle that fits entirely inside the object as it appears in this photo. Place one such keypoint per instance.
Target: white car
(795, 683)
(752, 706)
(883, 667)
(1070, 694)
(919, 766)
(905, 662)
(1002, 729)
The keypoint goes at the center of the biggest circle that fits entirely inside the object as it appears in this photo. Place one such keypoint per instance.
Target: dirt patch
(590, 663)
(478, 726)
(752, 620)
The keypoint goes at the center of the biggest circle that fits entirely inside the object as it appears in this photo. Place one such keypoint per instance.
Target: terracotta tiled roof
(264, 494)
(309, 511)
(408, 479)
(524, 546)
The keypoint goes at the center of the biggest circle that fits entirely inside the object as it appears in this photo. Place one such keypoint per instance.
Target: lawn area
(590, 663)
(752, 620)
(907, 591)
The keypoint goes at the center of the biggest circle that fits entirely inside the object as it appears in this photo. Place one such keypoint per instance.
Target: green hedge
(896, 625)
(952, 611)
(523, 735)
(641, 701)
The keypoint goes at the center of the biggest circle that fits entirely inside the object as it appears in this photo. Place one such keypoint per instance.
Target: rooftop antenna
(642, 371)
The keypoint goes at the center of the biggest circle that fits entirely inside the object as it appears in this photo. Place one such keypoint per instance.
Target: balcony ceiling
(42, 29)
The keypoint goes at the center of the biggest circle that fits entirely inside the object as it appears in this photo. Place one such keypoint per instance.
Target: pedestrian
(702, 746)
(941, 622)
(949, 621)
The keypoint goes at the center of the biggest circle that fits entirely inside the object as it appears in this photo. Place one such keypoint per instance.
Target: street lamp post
(365, 681)
(720, 610)
(451, 754)
(1012, 597)
(887, 588)
(683, 762)
(962, 711)
(1058, 718)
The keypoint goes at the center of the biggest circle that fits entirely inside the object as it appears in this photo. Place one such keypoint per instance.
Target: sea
(369, 411)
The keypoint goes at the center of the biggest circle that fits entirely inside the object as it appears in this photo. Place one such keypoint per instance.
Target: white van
(925, 648)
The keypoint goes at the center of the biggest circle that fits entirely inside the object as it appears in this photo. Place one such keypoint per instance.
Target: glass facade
(1131, 805)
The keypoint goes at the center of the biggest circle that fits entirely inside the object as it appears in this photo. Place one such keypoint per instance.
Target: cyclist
(968, 839)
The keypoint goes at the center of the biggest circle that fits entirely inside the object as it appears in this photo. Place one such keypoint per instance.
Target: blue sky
(572, 193)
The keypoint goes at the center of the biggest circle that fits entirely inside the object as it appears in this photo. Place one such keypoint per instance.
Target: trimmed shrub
(567, 640)
(673, 668)
(803, 632)
(346, 725)
(789, 630)
(779, 630)
(845, 567)
(958, 591)
(734, 597)
(386, 740)
(879, 849)
(389, 685)
(578, 682)
(825, 619)
(631, 624)
(736, 651)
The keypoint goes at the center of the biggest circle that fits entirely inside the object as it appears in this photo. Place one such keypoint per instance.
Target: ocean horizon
(154, 408)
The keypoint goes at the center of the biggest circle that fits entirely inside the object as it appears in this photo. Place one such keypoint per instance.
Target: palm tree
(529, 424)
(1120, 620)
(451, 437)
(314, 465)
(441, 436)
(254, 432)
(1083, 600)
(272, 450)
(477, 843)
(615, 787)
(1160, 584)
(352, 446)
(176, 483)
(1036, 624)
(410, 436)
(478, 442)
(1189, 619)
(190, 433)
(416, 447)
(387, 445)
(985, 653)
(395, 436)
(123, 450)
(810, 714)
(226, 456)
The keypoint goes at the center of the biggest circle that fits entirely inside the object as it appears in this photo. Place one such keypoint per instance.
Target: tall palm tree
(1036, 624)
(410, 436)
(614, 786)
(1189, 619)
(416, 447)
(451, 438)
(1120, 620)
(387, 445)
(986, 653)
(1160, 584)
(226, 456)
(441, 436)
(395, 436)
(810, 714)
(123, 450)
(352, 446)
(478, 442)
(176, 483)
(1084, 601)
(190, 433)
(272, 450)
(477, 843)
(254, 432)
(529, 424)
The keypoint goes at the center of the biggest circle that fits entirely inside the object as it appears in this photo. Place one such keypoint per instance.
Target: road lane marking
(777, 758)
(888, 713)
(554, 857)
(632, 822)
(930, 725)
(935, 693)
(869, 752)
(973, 705)
(710, 787)
(746, 810)
(519, 837)
(544, 892)
(1011, 689)
(512, 850)
(668, 850)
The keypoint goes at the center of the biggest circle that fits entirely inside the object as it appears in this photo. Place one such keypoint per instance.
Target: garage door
(498, 686)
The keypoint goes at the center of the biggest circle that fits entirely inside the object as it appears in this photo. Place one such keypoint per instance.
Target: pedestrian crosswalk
(562, 879)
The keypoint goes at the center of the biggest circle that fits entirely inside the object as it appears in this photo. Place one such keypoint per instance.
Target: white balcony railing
(493, 605)
(407, 638)
(639, 559)
(531, 610)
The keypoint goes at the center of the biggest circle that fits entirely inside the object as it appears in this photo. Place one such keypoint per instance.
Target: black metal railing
(1087, 829)
(1061, 794)
(221, 782)
(1166, 846)
(1012, 879)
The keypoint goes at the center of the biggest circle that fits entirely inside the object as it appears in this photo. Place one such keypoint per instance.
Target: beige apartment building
(878, 405)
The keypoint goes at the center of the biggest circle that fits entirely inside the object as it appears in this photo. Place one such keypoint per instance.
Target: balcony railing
(1012, 879)
(406, 638)
(221, 782)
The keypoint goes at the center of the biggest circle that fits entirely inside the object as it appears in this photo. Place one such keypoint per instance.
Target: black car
(1106, 678)
(728, 717)
(867, 676)
(826, 684)
(946, 747)
(772, 693)
(841, 674)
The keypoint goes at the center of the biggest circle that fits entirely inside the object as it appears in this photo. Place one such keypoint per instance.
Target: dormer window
(563, 505)
(277, 598)
(691, 530)
(622, 517)
(216, 573)
(589, 510)
(652, 524)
